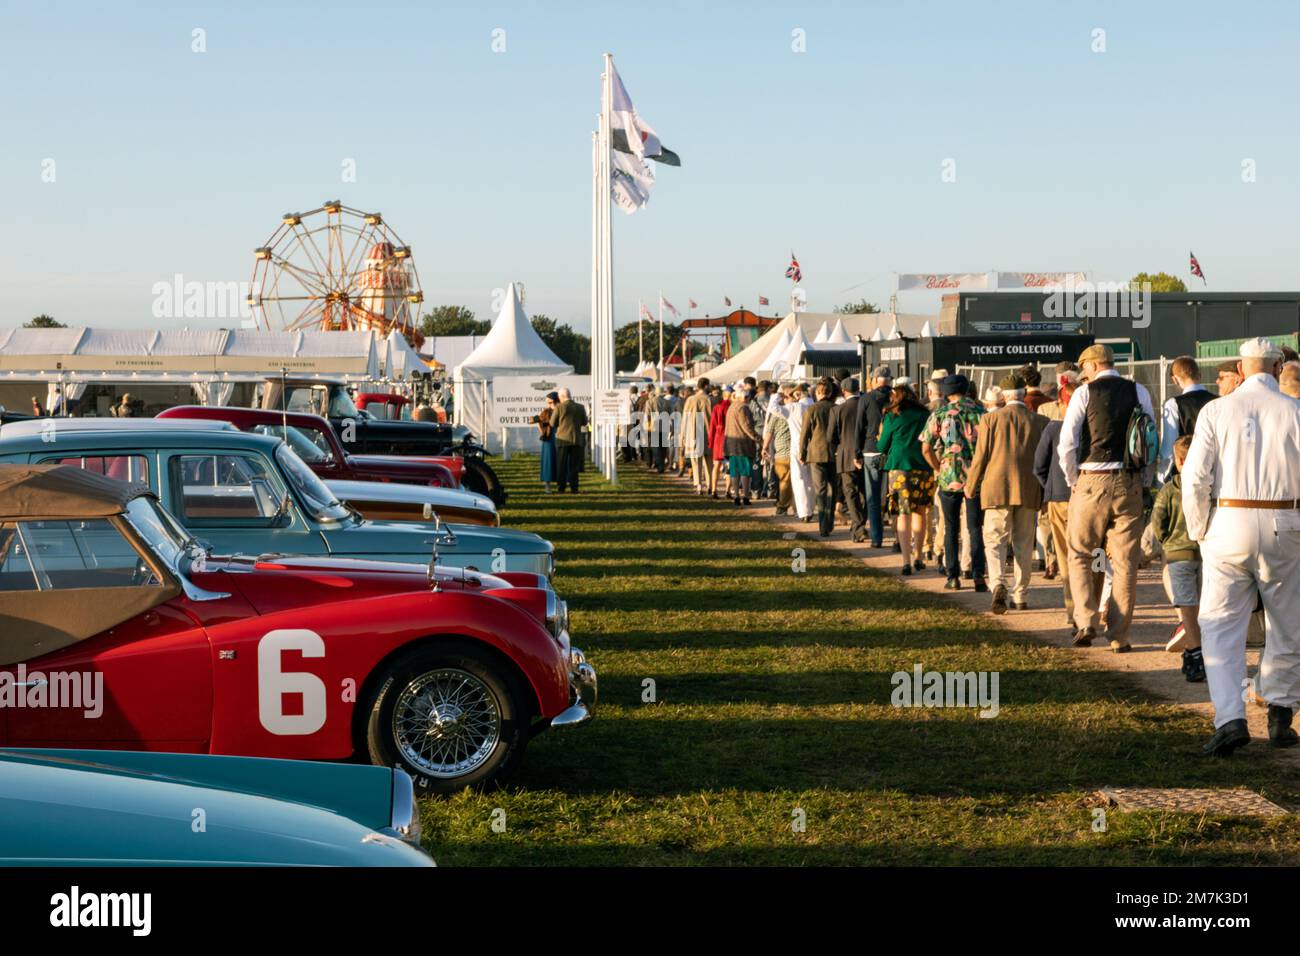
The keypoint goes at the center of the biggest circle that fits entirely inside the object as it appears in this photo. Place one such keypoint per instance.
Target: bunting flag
(694, 304)
(1196, 268)
(793, 272)
(726, 300)
(762, 300)
(669, 306)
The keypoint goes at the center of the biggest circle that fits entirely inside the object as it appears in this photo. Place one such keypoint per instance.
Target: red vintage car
(332, 463)
(118, 631)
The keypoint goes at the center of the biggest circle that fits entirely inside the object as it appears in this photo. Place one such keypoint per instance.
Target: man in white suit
(1241, 499)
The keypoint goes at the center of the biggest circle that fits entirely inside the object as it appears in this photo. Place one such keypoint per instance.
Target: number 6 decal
(273, 683)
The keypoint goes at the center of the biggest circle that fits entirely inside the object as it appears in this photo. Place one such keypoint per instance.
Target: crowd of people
(1079, 477)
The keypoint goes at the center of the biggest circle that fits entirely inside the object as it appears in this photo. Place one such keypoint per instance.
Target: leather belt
(1248, 503)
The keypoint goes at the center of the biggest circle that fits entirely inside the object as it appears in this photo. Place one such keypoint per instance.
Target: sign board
(1039, 280)
(517, 399)
(613, 404)
(950, 351)
(946, 281)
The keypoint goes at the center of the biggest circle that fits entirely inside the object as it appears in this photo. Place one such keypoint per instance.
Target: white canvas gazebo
(802, 327)
(512, 347)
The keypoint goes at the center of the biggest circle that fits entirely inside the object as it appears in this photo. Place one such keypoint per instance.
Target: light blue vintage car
(122, 808)
(244, 493)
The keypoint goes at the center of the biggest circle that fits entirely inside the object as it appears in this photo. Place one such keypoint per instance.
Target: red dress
(718, 429)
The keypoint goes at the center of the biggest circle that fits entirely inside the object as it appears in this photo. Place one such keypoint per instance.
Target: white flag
(641, 137)
(629, 181)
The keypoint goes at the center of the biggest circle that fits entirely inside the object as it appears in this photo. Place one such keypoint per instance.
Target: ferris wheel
(335, 268)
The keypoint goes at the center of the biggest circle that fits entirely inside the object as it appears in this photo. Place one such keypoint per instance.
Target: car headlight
(550, 565)
(405, 821)
(557, 614)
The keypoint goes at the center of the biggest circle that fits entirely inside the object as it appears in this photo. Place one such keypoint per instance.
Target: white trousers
(801, 487)
(1249, 551)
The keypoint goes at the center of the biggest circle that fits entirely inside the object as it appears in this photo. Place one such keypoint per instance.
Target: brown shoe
(1120, 647)
(1085, 637)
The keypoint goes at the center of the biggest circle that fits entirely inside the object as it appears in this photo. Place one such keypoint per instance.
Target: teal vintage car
(121, 808)
(245, 493)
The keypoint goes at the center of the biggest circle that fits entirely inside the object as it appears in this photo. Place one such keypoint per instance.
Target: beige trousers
(1105, 516)
(1014, 526)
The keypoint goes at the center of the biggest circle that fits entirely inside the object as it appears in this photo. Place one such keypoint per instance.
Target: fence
(1153, 373)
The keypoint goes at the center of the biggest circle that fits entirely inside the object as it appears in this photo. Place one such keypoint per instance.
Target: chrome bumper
(583, 690)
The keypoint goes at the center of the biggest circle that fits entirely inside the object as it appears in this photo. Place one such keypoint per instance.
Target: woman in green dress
(911, 479)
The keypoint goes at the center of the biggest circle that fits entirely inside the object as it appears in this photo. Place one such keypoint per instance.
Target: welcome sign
(517, 399)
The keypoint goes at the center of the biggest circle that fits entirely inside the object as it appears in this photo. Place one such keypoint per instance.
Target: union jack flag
(762, 300)
(645, 313)
(793, 271)
(1196, 268)
(693, 303)
(670, 307)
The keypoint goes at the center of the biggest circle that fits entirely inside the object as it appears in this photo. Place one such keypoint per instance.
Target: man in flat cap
(948, 443)
(1241, 500)
(1105, 493)
(1001, 475)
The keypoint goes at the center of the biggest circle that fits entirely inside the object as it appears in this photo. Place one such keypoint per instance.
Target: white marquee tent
(400, 360)
(511, 348)
(799, 326)
(210, 362)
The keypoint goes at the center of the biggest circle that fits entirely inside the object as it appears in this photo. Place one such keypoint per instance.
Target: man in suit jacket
(848, 461)
(1002, 474)
(817, 452)
(871, 412)
(570, 423)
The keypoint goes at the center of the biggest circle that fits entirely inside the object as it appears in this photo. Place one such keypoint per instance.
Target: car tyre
(479, 478)
(451, 717)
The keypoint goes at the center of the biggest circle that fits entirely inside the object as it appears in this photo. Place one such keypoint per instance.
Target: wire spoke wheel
(335, 268)
(446, 722)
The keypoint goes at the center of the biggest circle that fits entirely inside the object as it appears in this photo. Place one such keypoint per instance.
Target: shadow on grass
(932, 753)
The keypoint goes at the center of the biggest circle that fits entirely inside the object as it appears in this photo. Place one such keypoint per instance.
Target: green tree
(625, 343)
(453, 320)
(855, 308)
(44, 321)
(1160, 282)
(561, 338)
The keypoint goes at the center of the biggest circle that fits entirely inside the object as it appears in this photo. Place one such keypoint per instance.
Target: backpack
(1141, 440)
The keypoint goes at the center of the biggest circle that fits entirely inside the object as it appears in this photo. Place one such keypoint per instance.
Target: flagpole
(597, 332)
(607, 365)
(660, 376)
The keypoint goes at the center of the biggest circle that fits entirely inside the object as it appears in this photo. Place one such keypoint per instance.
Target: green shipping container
(1228, 348)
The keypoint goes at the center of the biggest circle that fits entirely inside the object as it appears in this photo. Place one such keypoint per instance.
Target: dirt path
(1154, 620)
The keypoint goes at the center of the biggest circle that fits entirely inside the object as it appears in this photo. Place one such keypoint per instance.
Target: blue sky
(168, 161)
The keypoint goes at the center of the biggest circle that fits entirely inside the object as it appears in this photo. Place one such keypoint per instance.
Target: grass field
(773, 706)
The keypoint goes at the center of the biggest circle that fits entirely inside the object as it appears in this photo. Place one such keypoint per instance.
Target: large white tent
(511, 348)
(758, 357)
(208, 363)
(400, 360)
